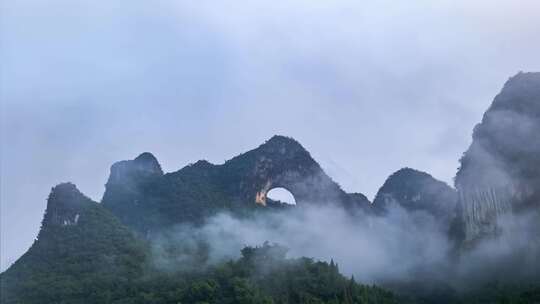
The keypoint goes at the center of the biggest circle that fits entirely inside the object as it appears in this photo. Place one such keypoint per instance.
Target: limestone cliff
(283, 162)
(500, 172)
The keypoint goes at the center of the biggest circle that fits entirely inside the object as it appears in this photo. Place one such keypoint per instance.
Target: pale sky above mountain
(367, 87)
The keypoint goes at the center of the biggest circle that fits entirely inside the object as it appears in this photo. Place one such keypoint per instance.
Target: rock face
(143, 166)
(127, 184)
(65, 205)
(144, 198)
(500, 172)
(282, 162)
(417, 191)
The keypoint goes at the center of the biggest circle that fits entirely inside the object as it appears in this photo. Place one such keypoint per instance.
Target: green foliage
(69, 263)
(261, 276)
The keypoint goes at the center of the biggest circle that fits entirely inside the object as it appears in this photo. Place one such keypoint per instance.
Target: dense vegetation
(262, 275)
(70, 263)
(84, 254)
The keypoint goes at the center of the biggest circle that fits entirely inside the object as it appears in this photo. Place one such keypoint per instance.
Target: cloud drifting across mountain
(84, 84)
(400, 249)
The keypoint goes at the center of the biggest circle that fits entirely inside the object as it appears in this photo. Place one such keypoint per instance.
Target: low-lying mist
(398, 248)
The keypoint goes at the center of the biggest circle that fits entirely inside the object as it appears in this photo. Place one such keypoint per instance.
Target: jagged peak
(198, 165)
(279, 148)
(64, 191)
(506, 136)
(500, 171)
(519, 93)
(145, 165)
(146, 157)
(66, 187)
(148, 161)
(407, 171)
(202, 163)
(283, 147)
(65, 204)
(280, 141)
(522, 77)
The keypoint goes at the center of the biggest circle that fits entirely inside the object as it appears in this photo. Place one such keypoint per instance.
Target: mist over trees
(208, 233)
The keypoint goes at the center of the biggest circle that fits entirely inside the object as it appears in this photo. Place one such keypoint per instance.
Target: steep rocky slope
(500, 172)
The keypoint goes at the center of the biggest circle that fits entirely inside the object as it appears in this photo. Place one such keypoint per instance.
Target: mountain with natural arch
(144, 198)
(90, 252)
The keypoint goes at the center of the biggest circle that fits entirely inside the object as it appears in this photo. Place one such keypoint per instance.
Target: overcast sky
(367, 87)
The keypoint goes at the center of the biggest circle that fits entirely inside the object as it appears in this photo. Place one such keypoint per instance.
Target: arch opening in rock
(281, 194)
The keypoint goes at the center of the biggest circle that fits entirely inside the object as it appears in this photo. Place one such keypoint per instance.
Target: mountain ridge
(146, 198)
(107, 243)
